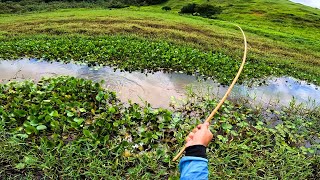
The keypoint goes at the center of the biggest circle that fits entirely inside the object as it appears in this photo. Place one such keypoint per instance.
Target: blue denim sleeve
(193, 168)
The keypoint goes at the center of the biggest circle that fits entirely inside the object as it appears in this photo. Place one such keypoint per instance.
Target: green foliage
(154, 1)
(72, 128)
(166, 8)
(22, 6)
(188, 9)
(128, 53)
(207, 10)
(34, 5)
(117, 5)
(204, 10)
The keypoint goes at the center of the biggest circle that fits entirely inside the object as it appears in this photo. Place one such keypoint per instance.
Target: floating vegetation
(73, 128)
(129, 53)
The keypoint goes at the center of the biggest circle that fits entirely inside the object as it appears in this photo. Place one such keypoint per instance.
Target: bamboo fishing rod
(228, 91)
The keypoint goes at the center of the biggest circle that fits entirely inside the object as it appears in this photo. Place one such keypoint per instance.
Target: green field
(66, 128)
(281, 41)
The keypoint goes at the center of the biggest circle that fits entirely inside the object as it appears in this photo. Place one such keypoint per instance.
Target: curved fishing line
(228, 91)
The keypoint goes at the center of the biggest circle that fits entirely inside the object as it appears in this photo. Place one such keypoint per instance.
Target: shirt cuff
(196, 151)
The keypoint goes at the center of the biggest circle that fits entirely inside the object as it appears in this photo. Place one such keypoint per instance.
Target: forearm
(194, 164)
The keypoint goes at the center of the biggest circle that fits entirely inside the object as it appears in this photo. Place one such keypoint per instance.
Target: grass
(72, 128)
(284, 39)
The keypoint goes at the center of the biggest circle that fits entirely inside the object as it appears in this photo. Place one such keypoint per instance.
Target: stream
(158, 88)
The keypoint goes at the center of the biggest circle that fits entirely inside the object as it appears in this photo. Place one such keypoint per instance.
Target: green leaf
(74, 124)
(54, 114)
(87, 133)
(78, 120)
(106, 138)
(41, 127)
(54, 124)
(20, 113)
(82, 110)
(243, 124)
(161, 126)
(23, 136)
(34, 122)
(223, 139)
(30, 129)
(226, 126)
(111, 110)
(20, 166)
(155, 136)
(115, 124)
(70, 114)
(100, 95)
(220, 137)
(30, 159)
(106, 96)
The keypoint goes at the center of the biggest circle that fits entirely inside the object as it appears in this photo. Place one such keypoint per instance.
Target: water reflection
(158, 88)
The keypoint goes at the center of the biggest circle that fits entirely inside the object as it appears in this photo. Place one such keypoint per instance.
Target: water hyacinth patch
(131, 53)
(67, 127)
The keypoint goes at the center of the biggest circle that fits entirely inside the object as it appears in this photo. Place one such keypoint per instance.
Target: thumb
(205, 125)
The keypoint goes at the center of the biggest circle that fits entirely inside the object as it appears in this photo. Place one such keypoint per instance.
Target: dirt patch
(258, 13)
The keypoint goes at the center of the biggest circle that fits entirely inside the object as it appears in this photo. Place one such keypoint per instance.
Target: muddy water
(158, 88)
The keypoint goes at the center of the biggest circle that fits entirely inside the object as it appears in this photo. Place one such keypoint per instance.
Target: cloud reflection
(158, 88)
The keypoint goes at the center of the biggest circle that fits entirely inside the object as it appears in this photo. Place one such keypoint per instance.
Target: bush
(204, 10)
(22, 6)
(166, 8)
(188, 9)
(152, 2)
(117, 5)
(207, 10)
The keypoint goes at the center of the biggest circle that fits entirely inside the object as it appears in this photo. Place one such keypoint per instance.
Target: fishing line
(228, 91)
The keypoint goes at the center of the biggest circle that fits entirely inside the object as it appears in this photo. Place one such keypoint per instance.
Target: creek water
(311, 3)
(158, 88)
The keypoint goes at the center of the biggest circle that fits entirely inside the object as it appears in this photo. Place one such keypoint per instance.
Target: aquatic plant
(130, 53)
(73, 128)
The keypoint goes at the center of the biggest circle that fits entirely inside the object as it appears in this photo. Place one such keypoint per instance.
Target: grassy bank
(72, 128)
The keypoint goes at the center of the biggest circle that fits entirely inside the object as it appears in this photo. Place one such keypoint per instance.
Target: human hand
(201, 135)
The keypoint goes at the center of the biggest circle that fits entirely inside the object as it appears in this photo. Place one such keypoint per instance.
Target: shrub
(117, 5)
(166, 8)
(207, 10)
(188, 9)
(22, 6)
(152, 2)
(204, 10)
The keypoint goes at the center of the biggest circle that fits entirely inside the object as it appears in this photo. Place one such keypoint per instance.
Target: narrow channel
(159, 88)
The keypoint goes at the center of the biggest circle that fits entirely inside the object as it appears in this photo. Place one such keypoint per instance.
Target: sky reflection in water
(158, 88)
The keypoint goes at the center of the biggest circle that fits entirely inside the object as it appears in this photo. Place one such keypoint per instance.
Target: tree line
(21, 6)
